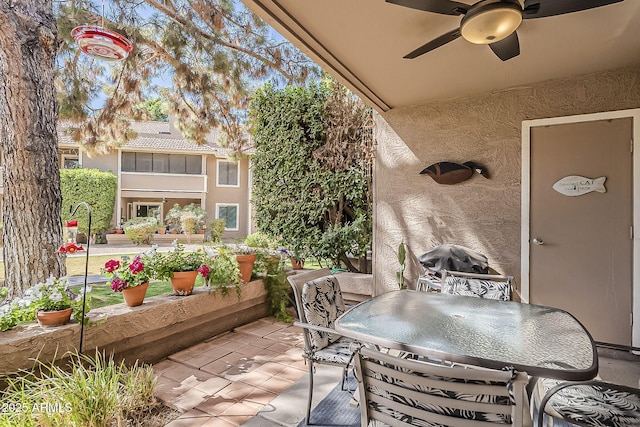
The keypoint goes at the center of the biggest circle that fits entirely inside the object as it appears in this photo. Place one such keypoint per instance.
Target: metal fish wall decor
(453, 173)
(574, 185)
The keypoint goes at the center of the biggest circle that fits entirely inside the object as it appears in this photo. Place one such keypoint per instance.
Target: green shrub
(260, 240)
(188, 222)
(278, 289)
(312, 170)
(216, 228)
(97, 188)
(140, 230)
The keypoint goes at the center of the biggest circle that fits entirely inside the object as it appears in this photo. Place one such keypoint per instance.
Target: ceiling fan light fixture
(491, 23)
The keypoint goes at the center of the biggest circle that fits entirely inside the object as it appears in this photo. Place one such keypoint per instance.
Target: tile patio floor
(226, 380)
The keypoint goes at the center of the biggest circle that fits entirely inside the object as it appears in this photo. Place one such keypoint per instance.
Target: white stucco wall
(482, 214)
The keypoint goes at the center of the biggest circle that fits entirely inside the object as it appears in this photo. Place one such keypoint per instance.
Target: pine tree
(214, 52)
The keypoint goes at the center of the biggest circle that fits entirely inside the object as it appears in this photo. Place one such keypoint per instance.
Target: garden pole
(72, 212)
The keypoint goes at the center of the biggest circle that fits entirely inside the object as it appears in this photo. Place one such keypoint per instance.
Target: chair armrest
(316, 328)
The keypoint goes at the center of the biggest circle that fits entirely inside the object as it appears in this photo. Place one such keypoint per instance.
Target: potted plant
(178, 266)
(296, 259)
(246, 257)
(221, 270)
(52, 302)
(130, 276)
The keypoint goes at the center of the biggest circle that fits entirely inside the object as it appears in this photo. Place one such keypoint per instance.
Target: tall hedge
(93, 186)
(303, 191)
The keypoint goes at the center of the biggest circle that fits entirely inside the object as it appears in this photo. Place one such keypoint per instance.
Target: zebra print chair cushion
(591, 404)
(431, 395)
(340, 352)
(477, 288)
(322, 304)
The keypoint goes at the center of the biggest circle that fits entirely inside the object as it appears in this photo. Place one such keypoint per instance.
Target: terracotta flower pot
(297, 264)
(162, 230)
(245, 264)
(182, 282)
(134, 296)
(54, 318)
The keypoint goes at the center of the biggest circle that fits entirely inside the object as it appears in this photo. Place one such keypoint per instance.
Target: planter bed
(161, 326)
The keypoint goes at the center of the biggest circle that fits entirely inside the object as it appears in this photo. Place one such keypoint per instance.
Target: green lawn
(102, 295)
(75, 264)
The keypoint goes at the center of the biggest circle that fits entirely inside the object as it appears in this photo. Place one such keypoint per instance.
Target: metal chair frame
(297, 283)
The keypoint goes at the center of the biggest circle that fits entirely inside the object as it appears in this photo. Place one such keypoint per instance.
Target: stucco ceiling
(362, 42)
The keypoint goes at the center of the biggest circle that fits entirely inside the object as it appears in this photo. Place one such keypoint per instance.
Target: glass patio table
(541, 341)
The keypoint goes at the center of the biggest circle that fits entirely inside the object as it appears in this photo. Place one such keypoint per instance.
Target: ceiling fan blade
(434, 44)
(543, 8)
(507, 48)
(445, 7)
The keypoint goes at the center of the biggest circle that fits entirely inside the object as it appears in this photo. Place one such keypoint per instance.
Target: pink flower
(204, 270)
(118, 285)
(112, 265)
(136, 265)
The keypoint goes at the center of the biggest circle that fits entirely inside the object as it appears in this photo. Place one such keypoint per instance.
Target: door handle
(538, 241)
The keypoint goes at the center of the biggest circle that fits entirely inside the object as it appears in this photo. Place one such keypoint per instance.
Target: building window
(70, 161)
(128, 162)
(144, 162)
(228, 174)
(149, 210)
(177, 164)
(161, 163)
(229, 213)
(194, 164)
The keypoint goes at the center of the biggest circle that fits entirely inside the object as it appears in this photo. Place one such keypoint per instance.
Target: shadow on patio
(235, 378)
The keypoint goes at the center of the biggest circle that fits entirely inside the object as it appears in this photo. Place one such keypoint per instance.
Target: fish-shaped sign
(453, 173)
(578, 185)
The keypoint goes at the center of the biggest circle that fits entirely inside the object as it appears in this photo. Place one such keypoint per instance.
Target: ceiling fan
(493, 22)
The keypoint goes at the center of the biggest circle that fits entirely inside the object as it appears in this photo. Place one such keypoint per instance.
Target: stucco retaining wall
(161, 326)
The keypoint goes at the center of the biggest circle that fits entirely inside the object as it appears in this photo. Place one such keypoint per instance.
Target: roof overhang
(362, 42)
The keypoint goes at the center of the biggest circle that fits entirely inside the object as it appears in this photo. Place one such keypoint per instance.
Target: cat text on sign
(578, 185)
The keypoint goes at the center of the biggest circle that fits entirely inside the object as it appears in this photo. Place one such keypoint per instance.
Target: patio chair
(588, 404)
(493, 286)
(400, 392)
(429, 282)
(319, 303)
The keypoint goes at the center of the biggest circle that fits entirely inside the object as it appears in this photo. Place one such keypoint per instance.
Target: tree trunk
(29, 144)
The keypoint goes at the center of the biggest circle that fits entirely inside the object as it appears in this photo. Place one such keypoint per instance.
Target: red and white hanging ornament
(101, 43)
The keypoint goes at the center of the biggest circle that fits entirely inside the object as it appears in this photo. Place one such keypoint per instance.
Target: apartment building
(159, 168)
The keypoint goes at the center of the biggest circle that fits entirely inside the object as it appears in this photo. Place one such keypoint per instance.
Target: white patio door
(580, 247)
